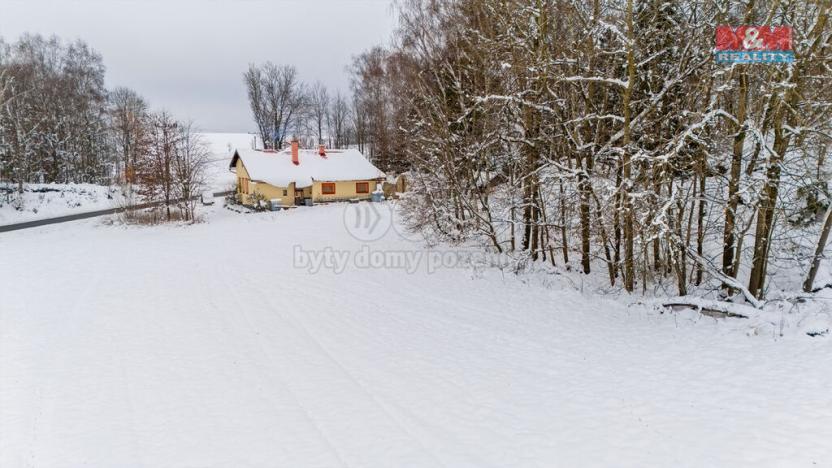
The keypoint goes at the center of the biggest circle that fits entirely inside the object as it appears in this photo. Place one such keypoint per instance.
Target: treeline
(604, 130)
(54, 122)
(283, 106)
(59, 123)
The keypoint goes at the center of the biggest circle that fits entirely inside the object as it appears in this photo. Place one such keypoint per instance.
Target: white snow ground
(205, 346)
(41, 201)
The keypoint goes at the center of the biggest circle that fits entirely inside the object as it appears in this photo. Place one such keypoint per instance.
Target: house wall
(391, 189)
(401, 183)
(242, 173)
(344, 190)
(268, 191)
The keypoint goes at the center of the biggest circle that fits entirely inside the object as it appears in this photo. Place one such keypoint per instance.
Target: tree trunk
(822, 241)
(629, 261)
(728, 250)
(700, 220)
(765, 215)
(583, 185)
(565, 240)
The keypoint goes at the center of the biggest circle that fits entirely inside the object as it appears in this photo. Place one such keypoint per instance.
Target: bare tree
(277, 99)
(319, 107)
(128, 112)
(360, 124)
(371, 87)
(253, 79)
(155, 167)
(339, 115)
(189, 160)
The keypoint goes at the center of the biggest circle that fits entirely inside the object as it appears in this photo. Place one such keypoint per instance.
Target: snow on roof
(276, 168)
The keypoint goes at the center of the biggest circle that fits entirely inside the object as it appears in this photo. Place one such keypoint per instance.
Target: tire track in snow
(370, 396)
(273, 376)
(117, 360)
(75, 337)
(426, 327)
(220, 313)
(429, 326)
(315, 350)
(434, 324)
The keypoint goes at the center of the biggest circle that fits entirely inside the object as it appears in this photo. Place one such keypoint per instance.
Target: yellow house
(296, 175)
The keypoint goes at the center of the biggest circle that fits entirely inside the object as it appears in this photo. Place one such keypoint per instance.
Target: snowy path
(205, 347)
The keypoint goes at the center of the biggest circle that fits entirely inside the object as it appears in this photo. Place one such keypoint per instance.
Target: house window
(362, 187)
(285, 192)
(328, 188)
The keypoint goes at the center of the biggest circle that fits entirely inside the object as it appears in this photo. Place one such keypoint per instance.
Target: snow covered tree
(129, 114)
(188, 169)
(606, 127)
(55, 121)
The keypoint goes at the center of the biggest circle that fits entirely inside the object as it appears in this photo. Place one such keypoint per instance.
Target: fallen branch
(710, 311)
(717, 273)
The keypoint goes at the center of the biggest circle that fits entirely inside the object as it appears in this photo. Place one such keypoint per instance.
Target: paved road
(79, 216)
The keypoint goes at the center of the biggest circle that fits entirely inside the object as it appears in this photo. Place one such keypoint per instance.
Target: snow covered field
(233, 344)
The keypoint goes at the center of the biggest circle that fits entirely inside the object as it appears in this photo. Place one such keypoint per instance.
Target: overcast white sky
(188, 56)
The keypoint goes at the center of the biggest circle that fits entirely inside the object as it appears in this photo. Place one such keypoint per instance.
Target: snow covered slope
(221, 147)
(231, 344)
(41, 201)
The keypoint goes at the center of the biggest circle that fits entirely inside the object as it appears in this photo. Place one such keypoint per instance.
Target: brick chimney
(322, 151)
(295, 150)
